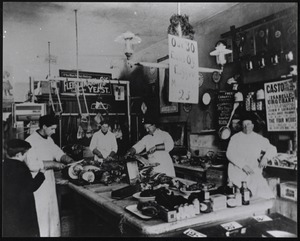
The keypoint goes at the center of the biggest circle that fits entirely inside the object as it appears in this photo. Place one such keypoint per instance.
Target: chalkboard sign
(225, 103)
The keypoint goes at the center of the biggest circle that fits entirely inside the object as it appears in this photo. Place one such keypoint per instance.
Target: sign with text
(281, 106)
(84, 74)
(183, 70)
(89, 87)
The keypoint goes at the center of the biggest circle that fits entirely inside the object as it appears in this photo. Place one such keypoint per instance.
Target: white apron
(45, 196)
(162, 157)
(245, 149)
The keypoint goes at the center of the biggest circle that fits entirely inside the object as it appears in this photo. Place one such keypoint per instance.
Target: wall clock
(216, 77)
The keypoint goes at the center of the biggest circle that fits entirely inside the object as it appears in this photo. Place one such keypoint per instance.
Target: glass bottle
(245, 194)
(238, 197)
(204, 194)
(229, 190)
(205, 203)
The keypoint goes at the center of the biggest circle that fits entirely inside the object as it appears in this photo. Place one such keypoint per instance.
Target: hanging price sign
(183, 70)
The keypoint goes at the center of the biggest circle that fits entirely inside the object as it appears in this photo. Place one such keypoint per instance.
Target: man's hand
(58, 166)
(248, 170)
(263, 163)
(97, 153)
(152, 150)
(130, 152)
(109, 158)
(65, 159)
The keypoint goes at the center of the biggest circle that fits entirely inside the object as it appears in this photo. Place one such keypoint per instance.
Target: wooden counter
(98, 198)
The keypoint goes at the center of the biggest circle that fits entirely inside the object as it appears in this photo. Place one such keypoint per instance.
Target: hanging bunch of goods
(185, 29)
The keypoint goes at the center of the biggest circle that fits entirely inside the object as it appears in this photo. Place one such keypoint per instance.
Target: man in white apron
(158, 144)
(248, 153)
(104, 143)
(45, 154)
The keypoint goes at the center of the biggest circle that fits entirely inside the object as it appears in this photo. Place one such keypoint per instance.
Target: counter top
(100, 196)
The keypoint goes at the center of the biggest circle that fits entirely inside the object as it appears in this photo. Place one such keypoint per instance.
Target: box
(218, 202)
(288, 190)
(166, 215)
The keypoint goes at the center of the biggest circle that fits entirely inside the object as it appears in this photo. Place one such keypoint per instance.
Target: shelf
(92, 114)
(281, 167)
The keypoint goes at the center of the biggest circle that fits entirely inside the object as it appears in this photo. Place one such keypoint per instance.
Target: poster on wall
(183, 70)
(165, 106)
(281, 106)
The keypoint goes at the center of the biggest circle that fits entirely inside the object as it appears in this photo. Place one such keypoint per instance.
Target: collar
(45, 137)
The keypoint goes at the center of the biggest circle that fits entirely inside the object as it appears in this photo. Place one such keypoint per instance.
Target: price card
(183, 70)
(193, 233)
(262, 218)
(231, 226)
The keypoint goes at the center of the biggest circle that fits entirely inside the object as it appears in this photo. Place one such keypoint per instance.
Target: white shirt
(245, 149)
(44, 149)
(160, 156)
(104, 143)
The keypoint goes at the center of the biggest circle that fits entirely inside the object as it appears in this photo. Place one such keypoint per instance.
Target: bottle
(230, 195)
(238, 197)
(204, 194)
(196, 204)
(206, 205)
(245, 194)
(253, 102)
(229, 190)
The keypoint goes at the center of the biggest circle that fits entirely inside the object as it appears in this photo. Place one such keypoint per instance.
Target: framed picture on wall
(165, 106)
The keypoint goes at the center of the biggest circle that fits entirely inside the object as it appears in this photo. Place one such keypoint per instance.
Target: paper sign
(231, 226)
(183, 70)
(193, 233)
(281, 106)
(119, 92)
(262, 218)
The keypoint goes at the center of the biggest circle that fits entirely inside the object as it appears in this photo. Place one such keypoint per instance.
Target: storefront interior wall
(207, 34)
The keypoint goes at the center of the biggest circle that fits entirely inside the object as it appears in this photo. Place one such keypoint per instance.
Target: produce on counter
(91, 171)
(149, 208)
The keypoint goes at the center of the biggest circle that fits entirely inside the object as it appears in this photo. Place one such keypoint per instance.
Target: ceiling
(98, 23)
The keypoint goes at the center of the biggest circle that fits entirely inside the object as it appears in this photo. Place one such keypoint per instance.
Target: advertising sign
(281, 106)
(183, 70)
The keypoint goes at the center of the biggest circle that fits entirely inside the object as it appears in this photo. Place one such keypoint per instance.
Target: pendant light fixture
(129, 39)
(220, 52)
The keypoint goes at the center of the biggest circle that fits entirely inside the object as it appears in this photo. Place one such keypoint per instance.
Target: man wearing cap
(158, 144)
(19, 218)
(248, 153)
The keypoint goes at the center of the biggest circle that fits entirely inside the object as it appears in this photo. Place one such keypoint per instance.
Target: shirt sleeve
(168, 141)
(234, 153)
(57, 152)
(114, 143)
(34, 183)
(140, 145)
(32, 160)
(270, 150)
(93, 143)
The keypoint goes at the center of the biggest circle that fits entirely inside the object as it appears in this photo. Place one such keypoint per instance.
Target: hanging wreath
(186, 27)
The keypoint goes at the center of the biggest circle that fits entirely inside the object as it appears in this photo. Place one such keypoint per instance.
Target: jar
(206, 206)
(231, 201)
